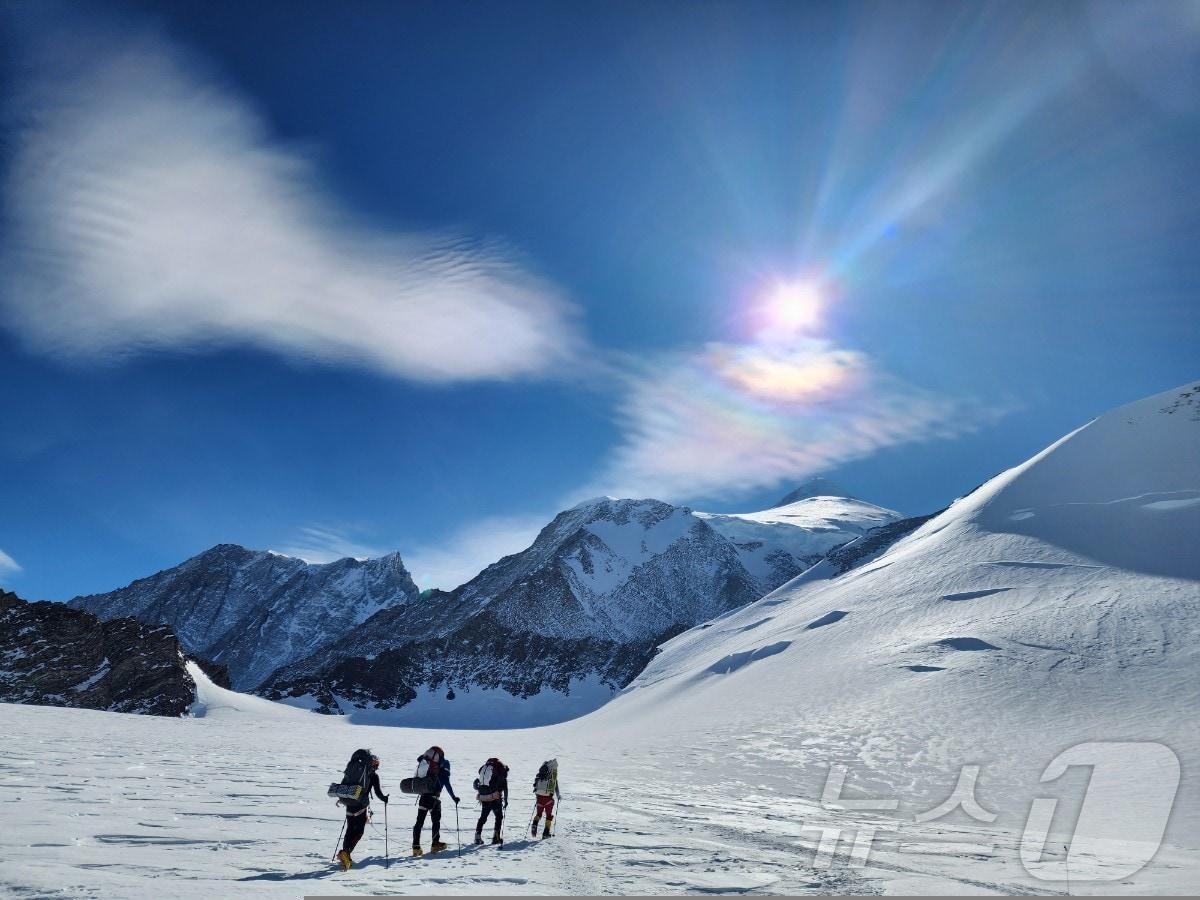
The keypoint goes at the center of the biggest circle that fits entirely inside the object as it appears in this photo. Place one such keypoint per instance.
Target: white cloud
(148, 207)
(729, 419)
(8, 565)
(321, 544)
(464, 554)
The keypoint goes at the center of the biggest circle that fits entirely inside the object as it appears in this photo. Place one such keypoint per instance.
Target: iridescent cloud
(727, 419)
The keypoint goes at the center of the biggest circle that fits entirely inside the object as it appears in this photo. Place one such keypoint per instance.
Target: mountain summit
(555, 630)
(815, 487)
(253, 610)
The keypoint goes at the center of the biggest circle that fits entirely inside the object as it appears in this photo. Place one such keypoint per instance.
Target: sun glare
(794, 306)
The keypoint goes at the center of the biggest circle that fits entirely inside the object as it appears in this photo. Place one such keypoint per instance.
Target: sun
(794, 306)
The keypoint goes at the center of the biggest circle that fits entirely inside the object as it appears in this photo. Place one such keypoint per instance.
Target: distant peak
(226, 550)
(594, 501)
(816, 487)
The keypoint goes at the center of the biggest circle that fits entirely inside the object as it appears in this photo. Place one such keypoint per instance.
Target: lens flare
(794, 306)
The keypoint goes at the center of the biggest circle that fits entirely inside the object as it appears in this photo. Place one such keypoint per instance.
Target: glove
(506, 803)
(456, 801)
(385, 799)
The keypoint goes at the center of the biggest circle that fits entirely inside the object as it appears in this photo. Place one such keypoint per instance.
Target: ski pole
(387, 858)
(339, 840)
(457, 829)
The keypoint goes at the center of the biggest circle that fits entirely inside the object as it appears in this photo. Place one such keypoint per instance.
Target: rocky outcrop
(53, 655)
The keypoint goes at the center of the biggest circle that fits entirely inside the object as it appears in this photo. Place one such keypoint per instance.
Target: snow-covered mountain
(786, 747)
(815, 487)
(56, 656)
(1059, 603)
(555, 630)
(254, 611)
(819, 523)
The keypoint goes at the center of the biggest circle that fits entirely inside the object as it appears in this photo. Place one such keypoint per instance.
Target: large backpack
(544, 782)
(493, 775)
(428, 776)
(356, 780)
(429, 763)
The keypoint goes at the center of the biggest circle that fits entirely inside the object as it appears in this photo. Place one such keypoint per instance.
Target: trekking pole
(458, 830)
(339, 840)
(387, 858)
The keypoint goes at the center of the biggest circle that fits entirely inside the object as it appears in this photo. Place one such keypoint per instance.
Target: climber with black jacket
(434, 763)
(358, 813)
(492, 792)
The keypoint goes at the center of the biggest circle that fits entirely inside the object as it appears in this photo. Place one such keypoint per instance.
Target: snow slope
(233, 804)
(1057, 604)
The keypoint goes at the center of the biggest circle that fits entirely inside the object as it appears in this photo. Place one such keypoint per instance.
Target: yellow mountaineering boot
(344, 860)
(417, 851)
(437, 847)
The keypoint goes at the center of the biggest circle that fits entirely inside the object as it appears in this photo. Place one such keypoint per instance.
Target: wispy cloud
(8, 566)
(322, 544)
(465, 553)
(149, 207)
(728, 419)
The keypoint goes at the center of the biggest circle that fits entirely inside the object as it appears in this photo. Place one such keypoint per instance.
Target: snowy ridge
(1058, 603)
(569, 621)
(253, 611)
(819, 525)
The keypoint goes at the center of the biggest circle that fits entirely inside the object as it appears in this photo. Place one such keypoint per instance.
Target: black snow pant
(355, 826)
(491, 806)
(431, 805)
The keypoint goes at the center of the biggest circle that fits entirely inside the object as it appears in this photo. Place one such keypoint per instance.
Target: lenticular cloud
(148, 208)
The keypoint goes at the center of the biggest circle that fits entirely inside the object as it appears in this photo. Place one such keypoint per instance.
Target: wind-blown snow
(212, 700)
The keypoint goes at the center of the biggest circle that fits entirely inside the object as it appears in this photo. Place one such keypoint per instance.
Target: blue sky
(340, 280)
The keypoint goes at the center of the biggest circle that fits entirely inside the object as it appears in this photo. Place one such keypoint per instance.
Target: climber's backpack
(428, 777)
(542, 784)
(490, 783)
(356, 781)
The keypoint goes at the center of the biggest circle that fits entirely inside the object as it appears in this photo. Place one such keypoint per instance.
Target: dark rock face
(254, 611)
(521, 665)
(53, 655)
(874, 542)
(591, 599)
